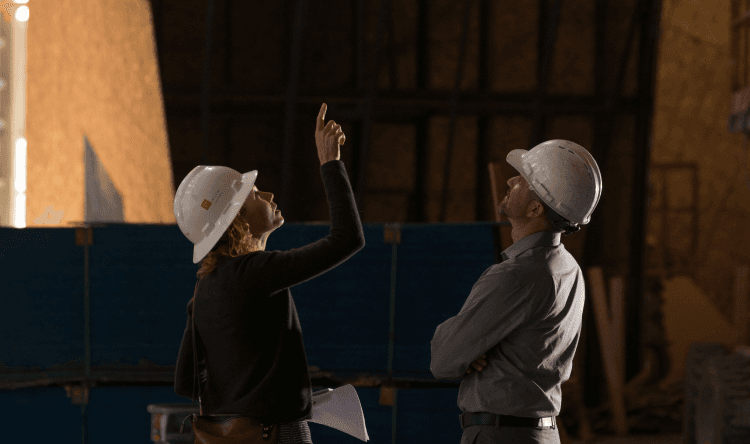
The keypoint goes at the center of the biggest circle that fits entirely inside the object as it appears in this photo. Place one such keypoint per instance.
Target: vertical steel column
(228, 43)
(87, 332)
(362, 167)
(734, 44)
(205, 104)
(392, 64)
(359, 59)
(419, 197)
(606, 123)
(591, 356)
(600, 48)
(298, 23)
(392, 235)
(483, 121)
(546, 56)
(596, 233)
(742, 48)
(357, 84)
(454, 104)
(226, 152)
(614, 96)
(84, 237)
(643, 139)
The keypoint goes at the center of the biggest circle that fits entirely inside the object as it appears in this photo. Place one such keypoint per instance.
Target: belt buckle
(547, 422)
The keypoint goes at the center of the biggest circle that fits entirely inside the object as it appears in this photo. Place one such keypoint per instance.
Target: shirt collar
(539, 239)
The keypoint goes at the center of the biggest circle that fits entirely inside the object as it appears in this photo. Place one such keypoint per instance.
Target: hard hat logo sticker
(206, 204)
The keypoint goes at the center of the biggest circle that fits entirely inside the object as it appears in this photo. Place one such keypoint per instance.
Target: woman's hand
(328, 138)
(479, 364)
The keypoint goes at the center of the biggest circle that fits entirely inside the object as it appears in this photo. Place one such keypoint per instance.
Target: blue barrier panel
(41, 321)
(42, 415)
(344, 313)
(142, 277)
(437, 267)
(427, 416)
(119, 415)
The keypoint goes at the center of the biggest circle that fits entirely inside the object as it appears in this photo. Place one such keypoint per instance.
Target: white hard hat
(206, 203)
(564, 175)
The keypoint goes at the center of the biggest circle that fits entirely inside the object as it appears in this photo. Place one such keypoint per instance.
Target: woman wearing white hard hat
(247, 323)
(247, 328)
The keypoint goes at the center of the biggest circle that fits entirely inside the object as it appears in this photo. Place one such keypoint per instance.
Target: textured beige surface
(690, 317)
(93, 70)
(693, 93)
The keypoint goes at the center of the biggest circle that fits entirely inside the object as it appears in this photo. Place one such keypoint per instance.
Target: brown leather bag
(232, 429)
(225, 429)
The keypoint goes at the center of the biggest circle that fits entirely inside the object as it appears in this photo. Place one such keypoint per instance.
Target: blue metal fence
(135, 281)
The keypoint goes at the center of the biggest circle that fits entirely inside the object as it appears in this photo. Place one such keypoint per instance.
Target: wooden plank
(606, 343)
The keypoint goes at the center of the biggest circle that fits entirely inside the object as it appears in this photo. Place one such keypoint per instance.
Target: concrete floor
(637, 439)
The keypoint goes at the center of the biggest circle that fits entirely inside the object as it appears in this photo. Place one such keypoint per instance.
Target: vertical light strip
(18, 28)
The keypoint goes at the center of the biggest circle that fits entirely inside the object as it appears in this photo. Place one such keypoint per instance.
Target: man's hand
(479, 364)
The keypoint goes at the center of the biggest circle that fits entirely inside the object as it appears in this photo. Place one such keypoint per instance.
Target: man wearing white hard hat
(518, 329)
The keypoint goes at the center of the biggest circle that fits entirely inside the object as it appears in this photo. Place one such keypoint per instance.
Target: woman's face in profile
(261, 213)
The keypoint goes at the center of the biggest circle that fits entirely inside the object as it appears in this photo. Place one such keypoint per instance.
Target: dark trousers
(489, 434)
(501, 434)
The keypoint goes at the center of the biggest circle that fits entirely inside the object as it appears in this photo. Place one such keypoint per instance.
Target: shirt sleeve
(284, 269)
(496, 306)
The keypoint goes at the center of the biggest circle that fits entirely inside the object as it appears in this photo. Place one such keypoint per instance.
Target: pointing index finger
(322, 116)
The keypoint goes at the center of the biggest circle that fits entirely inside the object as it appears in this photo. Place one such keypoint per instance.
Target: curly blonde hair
(236, 241)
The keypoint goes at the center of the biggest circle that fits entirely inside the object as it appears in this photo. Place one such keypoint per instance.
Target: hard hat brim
(514, 158)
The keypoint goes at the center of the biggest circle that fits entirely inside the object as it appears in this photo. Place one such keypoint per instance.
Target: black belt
(483, 418)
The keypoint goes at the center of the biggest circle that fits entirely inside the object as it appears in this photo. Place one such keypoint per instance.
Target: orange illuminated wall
(691, 111)
(93, 76)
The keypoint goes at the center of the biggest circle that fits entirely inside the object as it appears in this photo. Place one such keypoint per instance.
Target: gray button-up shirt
(525, 314)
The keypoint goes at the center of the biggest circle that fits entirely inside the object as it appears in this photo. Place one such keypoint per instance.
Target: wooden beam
(613, 372)
(182, 100)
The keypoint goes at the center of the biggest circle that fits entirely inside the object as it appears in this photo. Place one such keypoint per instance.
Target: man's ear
(536, 207)
(543, 211)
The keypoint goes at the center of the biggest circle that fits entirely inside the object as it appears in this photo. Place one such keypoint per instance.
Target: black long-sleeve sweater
(248, 326)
